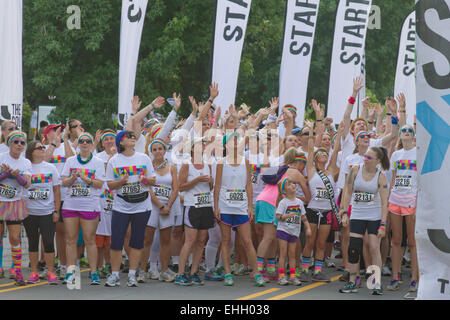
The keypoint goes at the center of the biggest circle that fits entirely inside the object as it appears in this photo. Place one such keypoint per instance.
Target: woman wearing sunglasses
(402, 203)
(15, 176)
(367, 190)
(129, 174)
(319, 211)
(43, 203)
(83, 176)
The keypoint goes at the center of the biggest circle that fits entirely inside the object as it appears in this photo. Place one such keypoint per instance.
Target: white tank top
(163, 187)
(200, 195)
(319, 195)
(232, 196)
(366, 201)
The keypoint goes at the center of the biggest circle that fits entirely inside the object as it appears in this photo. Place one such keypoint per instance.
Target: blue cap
(119, 138)
(296, 130)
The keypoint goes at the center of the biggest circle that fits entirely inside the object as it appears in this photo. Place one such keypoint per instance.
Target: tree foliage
(80, 67)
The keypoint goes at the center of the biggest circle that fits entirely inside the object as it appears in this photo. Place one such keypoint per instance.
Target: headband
(15, 135)
(360, 133)
(155, 133)
(150, 122)
(283, 184)
(107, 134)
(86, 134)
(291, 108)
(299, 158)
(406, 126)
(158, 141)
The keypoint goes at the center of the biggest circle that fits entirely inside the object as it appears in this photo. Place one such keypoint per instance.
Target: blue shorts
(233, 220)
(265, 213)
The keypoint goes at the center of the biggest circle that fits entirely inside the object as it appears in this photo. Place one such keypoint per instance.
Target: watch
(52, 144)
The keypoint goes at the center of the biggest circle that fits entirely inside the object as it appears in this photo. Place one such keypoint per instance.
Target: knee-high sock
(1, 251)
(16, 253)
(212, 246)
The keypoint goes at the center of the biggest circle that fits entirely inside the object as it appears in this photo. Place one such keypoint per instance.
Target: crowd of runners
(219, 194)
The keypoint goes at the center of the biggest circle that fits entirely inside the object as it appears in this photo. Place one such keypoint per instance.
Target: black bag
(135, 198)
(274, 178)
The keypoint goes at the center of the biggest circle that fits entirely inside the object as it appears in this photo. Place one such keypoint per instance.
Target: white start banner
(405, 75)
(433, 138)
(11, 84)
(350, 29)
(132, 22)
(299, 31)
(229, 35)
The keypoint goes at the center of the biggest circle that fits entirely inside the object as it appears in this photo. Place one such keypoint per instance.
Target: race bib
(202, 200)
(235, 196)
(162, 192)
(38, 193)
(363, 197)
(402, 183)
(79, 190)
(321, 194)
(132, 188)
(8, 192)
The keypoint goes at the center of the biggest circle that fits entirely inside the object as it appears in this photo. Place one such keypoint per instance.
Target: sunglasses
(410, 130)
(19, 142)
(40, 148)
(130, 135)
(83, 141)
(78, 125)
(11, 128)
(369, 157)
(305, 134)
(321, 153)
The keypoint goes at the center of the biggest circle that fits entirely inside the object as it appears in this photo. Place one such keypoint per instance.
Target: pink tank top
(270, 193)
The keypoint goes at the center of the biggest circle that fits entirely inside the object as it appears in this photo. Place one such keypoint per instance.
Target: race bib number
(202, 200)
(132, 188)
(162, 192)
(38, 194)
(321, 194)
(403, 183)
(293, 220)
(7, 191)
(80, 191)
(235, 196)
(363, 197)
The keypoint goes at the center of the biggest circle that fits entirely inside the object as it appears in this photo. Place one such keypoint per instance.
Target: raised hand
(371, 111)
(391, 105)
(176, 101)
(357, 85)
(402, 101)
(214, 90)
(366, 102)
(274, 103)
(158, 102)
(135, 104)
(378, 109)
(98, 135)
(194, 105)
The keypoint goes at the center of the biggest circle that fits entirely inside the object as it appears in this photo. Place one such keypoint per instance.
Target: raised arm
(357, 85)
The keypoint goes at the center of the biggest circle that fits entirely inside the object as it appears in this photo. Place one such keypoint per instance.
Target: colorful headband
(155, 133)
(291, 108)
(15, 135)
(150, 122)
(107, 134)
(158, 141)
(360, 133)
(406, 126)
(299, 158)
(86, 134)
(283, 184)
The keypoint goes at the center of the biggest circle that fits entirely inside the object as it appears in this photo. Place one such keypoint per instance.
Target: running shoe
(320, 277)
(196, 280)
(112, 281)
(84, 263)
(107, 269)
(62, 273)
(174, 268)
(95, 279)
(345, 276)
(413, 286)
(283, 281)
(229, 280)
(385, 271)
(295, 281)
(265, 279)
(305, 276)
(212, 275)
(358, 282)
(329, 264)
(183, 280)
(259, 280)
(142, 277)
(297, 272)
(2, 273)
(43, 273)
(34, 278)
(11, 273)
(221, 271)
(240, 270)
(166, 276)
(202, 266)
(56, 262)
(234, 268)
(272, 276)
(171, 273)
(153, 274)
(70, 278)
(51, 278)
(132, 281)
(394, 285)
(378, 290)
(349, 287)
(18, 278)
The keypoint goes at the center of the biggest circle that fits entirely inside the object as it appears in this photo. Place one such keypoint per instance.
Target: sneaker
(413, 286)
(43, 273)
(174, 268)
(196, 280)
(171, 273)
(272, 276)
(283, 281)
(320, 277)
(95, 279)
(265, 279)
(337, 245)
(62, 273)
(234, 268)
(297, 272)
(141, 278)
(240, 270)
(221, 271)
(305, 276)
(385, 271)
(202, 266)
(229, 280)
(212, 275)
(345, 276)
(34, 278)
(18, 278)
(70, 278)
(107, 269)
(84, 263)
(166, 276)
(52, 279)
(132, 282)
(183, 280)
(295, 281)
(378, 290)
(11, 273)
(349, 287)
(2, 273)
(358, 282)
(259, 280)
(394, 285)
(112, 281)
(102, 273)
(153, 274)
(329, 264)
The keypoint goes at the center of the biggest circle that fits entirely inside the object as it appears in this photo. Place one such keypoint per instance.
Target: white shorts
(158, 221)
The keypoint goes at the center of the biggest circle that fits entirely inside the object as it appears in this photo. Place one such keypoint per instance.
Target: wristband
(382, 228)
(318, 120)
(351, 100)
(92, 182)
(21, 180)
(389, 114)
(53, 145)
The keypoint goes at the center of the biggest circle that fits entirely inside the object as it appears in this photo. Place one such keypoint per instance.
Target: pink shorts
(86, 215)
(401, 211)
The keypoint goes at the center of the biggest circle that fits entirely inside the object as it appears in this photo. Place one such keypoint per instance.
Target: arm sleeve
(169, 124)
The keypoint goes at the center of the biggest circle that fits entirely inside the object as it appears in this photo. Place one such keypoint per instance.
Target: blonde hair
(315, 155)
(290, 155)
(4, 125)
(149, 137)
(16, 133)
